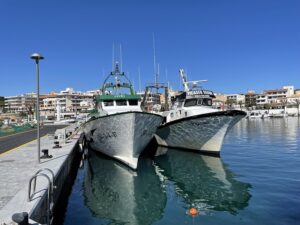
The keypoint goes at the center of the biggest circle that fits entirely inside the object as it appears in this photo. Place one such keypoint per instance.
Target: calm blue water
(256, 181)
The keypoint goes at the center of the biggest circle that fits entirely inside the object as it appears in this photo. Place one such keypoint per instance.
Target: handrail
(30, 183)
(52, 174)
(50, 192)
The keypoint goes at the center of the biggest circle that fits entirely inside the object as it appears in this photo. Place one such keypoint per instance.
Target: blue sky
(236, 44)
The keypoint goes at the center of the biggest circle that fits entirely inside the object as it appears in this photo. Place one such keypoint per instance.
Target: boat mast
(121, 59)
(139, 71)
(154, 64)
(113, 57)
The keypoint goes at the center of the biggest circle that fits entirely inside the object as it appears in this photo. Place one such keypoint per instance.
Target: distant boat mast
(121, 59)
(156, 67)
(113, 57)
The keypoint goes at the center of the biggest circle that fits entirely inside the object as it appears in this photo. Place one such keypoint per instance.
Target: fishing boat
(193, 123)
(119, 128)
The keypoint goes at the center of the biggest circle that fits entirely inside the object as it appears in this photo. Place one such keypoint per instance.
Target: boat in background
(281, 114)
(256, 115)
(193, 123)
(119, 128)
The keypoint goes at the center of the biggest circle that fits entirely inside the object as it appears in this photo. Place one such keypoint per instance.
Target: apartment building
(250, 99)
(236, 98)
(1, 104)
(68, 102)
(20, 103)
(275, 96)
(219, 101)
(294, 99)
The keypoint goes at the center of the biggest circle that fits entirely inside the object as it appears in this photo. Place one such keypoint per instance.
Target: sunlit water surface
(255, 181)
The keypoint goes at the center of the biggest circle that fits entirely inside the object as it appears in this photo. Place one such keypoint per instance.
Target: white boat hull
(122, 136)
(203, 132)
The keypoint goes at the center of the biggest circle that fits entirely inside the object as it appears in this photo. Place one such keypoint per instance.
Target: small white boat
(120, 129)
(256, 115)
(281, 114)
(193, 124)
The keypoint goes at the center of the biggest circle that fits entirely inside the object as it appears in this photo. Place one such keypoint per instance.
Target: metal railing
(50, 190)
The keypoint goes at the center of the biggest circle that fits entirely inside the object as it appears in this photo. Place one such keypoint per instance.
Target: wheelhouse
(118, 94)
(118, 103)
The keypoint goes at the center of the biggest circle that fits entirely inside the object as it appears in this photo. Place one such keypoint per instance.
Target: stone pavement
(19, 165)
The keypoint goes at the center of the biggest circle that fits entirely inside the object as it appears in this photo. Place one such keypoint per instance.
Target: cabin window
(133, 102)
(190, 102)
(180, 104)
(207, 102)
(108, 103)
(121, 102)
(172, 115)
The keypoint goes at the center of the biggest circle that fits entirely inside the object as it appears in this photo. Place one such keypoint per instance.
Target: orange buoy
(193, 211)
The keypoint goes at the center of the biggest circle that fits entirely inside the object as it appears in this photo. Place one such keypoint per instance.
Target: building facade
(250, 99)
(2, 104)
(275, 97)
(68, 103)
(235, 100)
(20, 103)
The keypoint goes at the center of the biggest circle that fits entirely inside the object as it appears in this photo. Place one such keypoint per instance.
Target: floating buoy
(193, 211)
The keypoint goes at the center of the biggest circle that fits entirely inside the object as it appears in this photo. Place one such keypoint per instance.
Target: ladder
(44, 172)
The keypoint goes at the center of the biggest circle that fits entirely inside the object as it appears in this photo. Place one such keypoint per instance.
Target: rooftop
(276, 90)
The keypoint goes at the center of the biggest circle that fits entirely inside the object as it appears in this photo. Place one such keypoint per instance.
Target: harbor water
(255, 181)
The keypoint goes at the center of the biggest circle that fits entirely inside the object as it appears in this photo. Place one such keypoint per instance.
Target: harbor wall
(39, 212)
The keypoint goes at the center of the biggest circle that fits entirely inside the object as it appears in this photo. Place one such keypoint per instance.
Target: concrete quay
(18, 166)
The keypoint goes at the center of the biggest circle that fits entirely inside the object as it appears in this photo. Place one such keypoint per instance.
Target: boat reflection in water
(203, 181)
(115, 193)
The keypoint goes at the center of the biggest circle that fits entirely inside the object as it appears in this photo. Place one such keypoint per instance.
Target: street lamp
(37, 57)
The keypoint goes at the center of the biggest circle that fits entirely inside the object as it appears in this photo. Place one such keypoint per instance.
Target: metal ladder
(50, 192)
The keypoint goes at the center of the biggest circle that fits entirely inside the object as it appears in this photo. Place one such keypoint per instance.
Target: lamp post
(37, 57)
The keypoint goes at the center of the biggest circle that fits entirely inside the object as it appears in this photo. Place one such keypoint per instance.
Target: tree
(22, 114)
(267, 106)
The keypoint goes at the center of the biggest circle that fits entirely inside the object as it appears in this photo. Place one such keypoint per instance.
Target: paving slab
(18, 166)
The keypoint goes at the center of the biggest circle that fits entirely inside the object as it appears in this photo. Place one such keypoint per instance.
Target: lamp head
(36, 56)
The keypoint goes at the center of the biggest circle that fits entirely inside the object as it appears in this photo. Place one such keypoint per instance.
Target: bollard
(20, 218)
(56, 144)
(45, 154)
